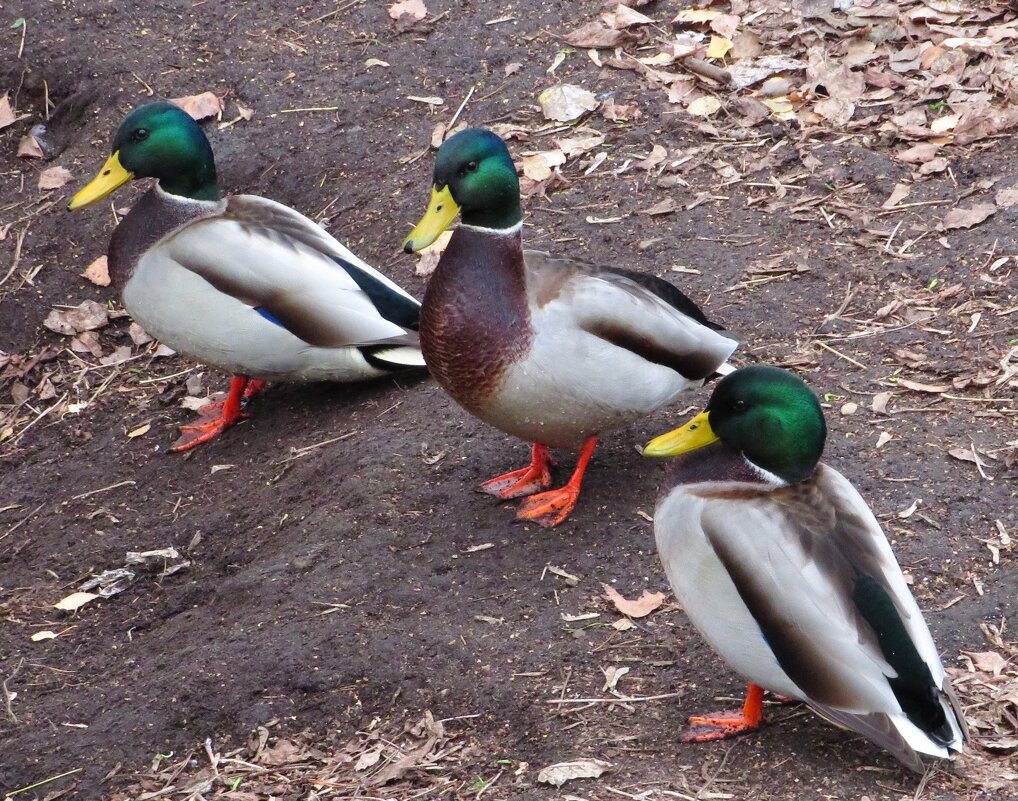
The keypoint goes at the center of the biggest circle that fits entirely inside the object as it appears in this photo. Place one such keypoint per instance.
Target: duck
(783, 568)
(552, 350)
(241, 282)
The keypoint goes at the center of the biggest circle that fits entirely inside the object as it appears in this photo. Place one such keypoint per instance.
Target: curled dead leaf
(562, 772)
(86, 316)
(98, 272)
(539, 166)
(968, 217)
(431, 254)
(54, 178)
(597, 35)
(139, 431)
(414, 9)
(987, 661)
(641, 607)
(566, 102)
(918, 386)
(7, 115)
(704, 106)
(201, 106)
(626, 17)
(75, 600)
(28, 148)
(666, 206)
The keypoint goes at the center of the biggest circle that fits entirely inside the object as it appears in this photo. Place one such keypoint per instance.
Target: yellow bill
(442, 210)
(111, 177)
(697, 433)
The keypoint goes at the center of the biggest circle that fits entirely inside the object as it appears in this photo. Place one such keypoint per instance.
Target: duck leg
(216, 417)
(550, 508)
(722, 725)
(533, 478)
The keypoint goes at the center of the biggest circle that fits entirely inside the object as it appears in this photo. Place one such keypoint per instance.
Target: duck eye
(471, 166)
(739, 405)
(140, 135)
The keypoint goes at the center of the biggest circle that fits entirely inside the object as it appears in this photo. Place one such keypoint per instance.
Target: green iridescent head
(157, 140)
(765, 413)
(474, 177)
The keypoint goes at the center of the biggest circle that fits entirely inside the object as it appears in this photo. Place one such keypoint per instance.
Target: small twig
(17, 255)
(296, 453)
(39, 417)
(334, 12)
(308, 108)
(104, 489)
(8, 697)
(706, 69)
(840, 355)
(489, 785)
(717, 772)
(622, 700)
(24, 32)
(459, 111)
(21, 522)
(44, 781)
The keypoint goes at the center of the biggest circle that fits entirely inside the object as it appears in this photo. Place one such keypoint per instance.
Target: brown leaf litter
(419, 757)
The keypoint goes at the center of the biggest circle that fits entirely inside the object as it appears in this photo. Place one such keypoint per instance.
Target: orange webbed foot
(516, 484)
(216, 417)
(550, 508)
(731, 723)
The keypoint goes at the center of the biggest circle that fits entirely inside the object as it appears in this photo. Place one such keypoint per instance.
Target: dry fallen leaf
(704, 106)
(431, 254)
(566, 102)
(987, 661)
(98, 272)
(625, 17)
(583, 140)
(666, 206)
(596, 34)
(968, 217)
(408, 8)
(719, 47)
(918, 386)
(781, 107)
(539, 166)
(7, 115)
(202, 106)
(430, 100)
(54, 177)
(86, 316)
(696, 16)
(880, 400)
(28, 148)
(563, 772)
(641, 607)
(74, 601)
(1007, 197)
(139, 336)
(139, 431)
(917, 154)
(898, 194)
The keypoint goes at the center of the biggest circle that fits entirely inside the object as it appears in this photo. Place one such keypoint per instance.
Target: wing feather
(280, 263)
(631, 313)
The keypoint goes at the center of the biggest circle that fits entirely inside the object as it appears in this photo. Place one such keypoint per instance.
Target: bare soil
(361, 583)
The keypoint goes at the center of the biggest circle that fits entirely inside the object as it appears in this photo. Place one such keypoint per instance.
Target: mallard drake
(551, 350)
(783, 568)
(242, 283)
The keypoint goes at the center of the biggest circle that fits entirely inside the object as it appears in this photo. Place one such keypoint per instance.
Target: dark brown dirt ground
(240, 638)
